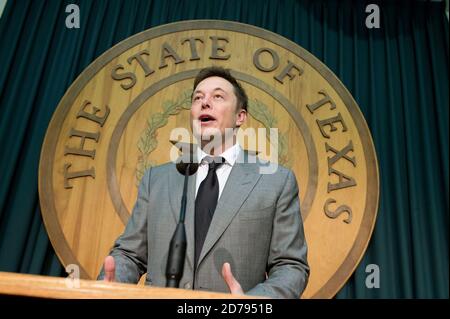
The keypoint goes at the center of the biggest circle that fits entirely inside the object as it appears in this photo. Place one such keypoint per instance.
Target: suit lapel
(175, 192)
(243, 178)
(189, 220)
(176, 181)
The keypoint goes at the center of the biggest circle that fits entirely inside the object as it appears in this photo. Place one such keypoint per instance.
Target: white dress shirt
(224, 170)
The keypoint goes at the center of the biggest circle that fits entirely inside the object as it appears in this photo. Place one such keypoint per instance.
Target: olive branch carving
(148, 141)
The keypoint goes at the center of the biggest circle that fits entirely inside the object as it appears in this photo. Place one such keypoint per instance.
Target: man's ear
(241, 117)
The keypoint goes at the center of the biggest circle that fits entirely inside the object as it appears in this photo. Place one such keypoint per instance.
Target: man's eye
(196, 98)
(218, 96)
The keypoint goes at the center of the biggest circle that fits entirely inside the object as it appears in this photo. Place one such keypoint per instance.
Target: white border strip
(2, 6)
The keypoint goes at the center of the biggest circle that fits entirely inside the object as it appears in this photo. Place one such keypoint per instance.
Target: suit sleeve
(287, 267)
(130, 249)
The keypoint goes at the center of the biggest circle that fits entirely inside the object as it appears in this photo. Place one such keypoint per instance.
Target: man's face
(214, 109)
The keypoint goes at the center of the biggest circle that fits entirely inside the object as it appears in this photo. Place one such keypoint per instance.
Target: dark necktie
(205, 203)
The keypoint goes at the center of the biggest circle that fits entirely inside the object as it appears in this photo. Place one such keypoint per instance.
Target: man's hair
(242, 99)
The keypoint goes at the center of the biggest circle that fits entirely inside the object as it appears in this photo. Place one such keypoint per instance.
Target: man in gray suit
(244, 228)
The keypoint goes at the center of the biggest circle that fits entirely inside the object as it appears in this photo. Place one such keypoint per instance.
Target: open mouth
(206, 118)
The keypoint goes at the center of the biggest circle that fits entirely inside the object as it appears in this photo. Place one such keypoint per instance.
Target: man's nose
(206, 103)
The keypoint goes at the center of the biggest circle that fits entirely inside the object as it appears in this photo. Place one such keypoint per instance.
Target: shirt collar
(230, 155)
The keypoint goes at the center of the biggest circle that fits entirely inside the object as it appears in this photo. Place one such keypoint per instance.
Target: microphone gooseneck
(178, 243)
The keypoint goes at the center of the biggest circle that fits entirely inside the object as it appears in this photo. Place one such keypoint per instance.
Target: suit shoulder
(266, 167)
(274, 169)
(285, 170)
(163, 167)
(159, 170)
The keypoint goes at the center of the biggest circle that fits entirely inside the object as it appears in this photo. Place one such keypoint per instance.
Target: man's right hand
(110, 269)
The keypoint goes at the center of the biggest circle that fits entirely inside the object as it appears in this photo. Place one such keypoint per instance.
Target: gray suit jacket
(257, 228)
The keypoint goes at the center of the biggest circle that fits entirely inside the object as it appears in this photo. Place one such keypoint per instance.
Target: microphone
(178, 243)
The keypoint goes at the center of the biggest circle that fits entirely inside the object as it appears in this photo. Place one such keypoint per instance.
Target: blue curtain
(398, 75)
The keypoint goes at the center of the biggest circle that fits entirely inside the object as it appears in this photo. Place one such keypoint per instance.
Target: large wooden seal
(117, 118)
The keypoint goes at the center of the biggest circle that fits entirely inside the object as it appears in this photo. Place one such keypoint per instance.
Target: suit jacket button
(187, 285)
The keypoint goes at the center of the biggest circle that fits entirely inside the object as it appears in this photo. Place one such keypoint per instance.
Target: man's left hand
(232, 283)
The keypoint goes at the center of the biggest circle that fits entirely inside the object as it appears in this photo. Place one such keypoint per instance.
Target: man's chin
(209, 134)
(211, 138)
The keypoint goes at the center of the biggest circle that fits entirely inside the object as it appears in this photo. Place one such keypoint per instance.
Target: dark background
(398, 75)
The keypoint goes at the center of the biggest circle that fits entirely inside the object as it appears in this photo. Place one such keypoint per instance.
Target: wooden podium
(64, 288)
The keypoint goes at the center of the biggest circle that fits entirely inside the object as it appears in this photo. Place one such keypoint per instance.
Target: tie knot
(214, 162)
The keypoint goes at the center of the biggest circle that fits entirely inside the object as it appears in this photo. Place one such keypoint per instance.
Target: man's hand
(110, 269)
(232, 283)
